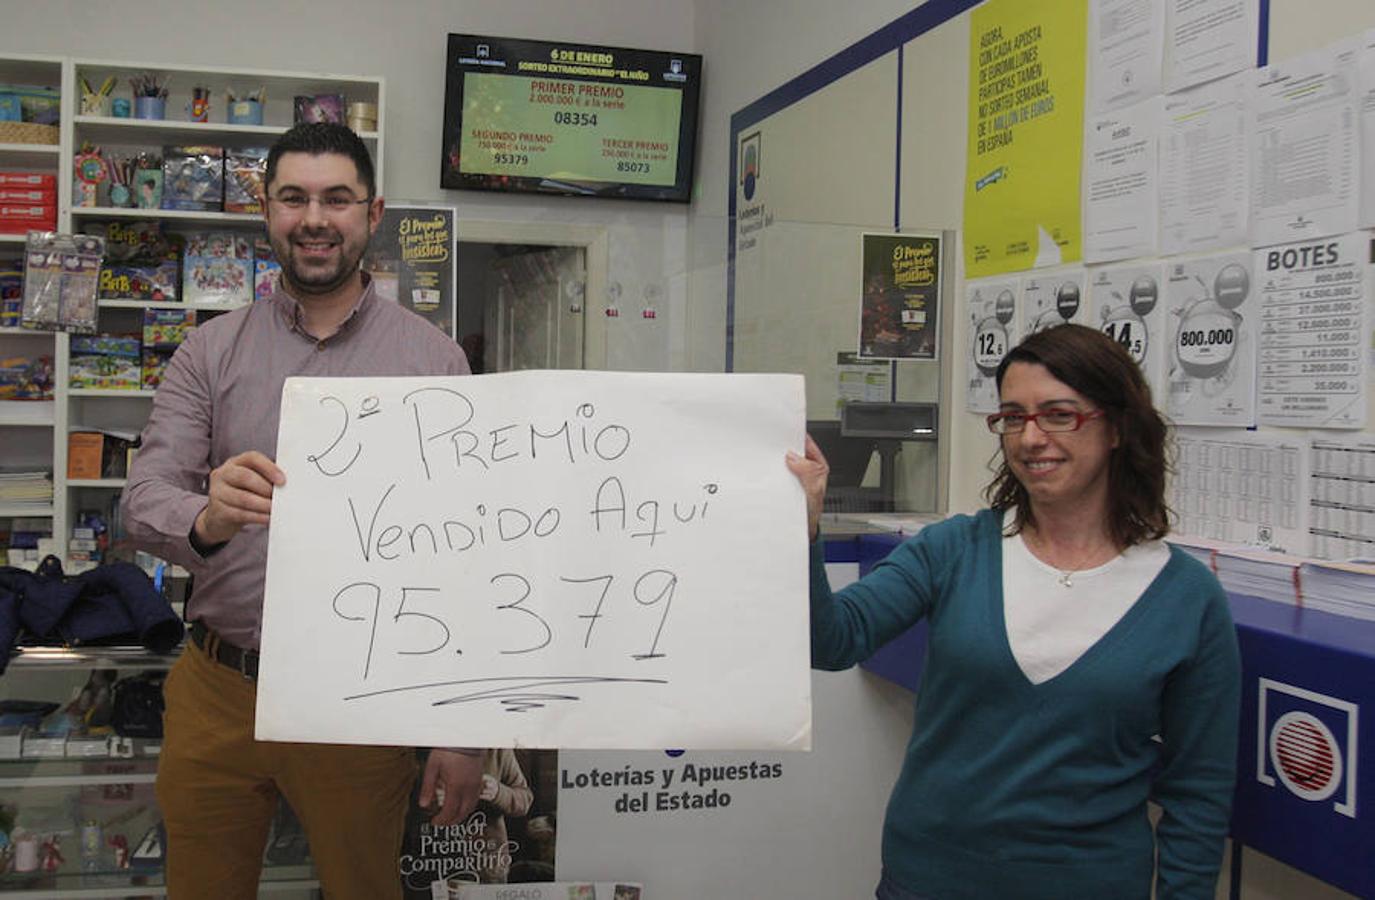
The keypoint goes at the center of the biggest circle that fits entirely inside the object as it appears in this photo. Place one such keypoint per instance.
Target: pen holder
(95, 104)
(245, 112)
(150, 107)
(198, 110)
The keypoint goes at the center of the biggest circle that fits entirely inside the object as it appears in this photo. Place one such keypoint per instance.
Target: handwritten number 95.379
(526, 630)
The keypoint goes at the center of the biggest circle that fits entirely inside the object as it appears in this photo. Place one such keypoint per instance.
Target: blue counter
(1305, 760)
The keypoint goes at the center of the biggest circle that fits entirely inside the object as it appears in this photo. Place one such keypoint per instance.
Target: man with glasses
(200, 494)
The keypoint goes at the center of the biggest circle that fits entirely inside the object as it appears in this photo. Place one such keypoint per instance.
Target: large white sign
(538, 559)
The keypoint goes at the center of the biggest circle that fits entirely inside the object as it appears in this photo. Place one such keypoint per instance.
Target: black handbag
(137, 708)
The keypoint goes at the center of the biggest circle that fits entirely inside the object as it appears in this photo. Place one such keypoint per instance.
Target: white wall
(404, 41)
(750, 49)
(754, 48)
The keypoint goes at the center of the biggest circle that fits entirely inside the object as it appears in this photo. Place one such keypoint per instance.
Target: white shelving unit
(32, 434)
(169, 215)
(36, 434)
(124, 410)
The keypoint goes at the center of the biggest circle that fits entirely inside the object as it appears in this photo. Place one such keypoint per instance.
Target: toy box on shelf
(219, 268)
(105, 361)
(163, 332)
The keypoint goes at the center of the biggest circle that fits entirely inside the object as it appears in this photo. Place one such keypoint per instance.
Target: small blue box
(10, 110)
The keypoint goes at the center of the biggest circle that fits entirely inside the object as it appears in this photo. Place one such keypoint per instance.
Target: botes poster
(1026, 133)
(900, 301)
(411, 260)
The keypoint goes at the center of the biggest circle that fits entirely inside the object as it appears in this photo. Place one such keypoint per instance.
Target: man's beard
(304, 279)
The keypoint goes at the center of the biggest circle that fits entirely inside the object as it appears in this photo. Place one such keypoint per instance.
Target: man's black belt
(245, 662)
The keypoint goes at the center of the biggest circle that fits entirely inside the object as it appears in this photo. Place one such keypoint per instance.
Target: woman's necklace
(1066, 576)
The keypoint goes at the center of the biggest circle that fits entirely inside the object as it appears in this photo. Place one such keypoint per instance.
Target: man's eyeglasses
(1049, 420)
(333, 204)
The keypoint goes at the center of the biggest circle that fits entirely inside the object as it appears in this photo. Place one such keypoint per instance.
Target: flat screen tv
(578, 119)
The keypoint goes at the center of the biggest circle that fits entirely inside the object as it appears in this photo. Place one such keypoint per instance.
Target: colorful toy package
(61, 272)
(109, 361)
(165, 329)
(218, 269)
(163, 332)
(142, 262)
(267, 272)
(193, 178)
(245, 172)
(11, 297)
(26, 378)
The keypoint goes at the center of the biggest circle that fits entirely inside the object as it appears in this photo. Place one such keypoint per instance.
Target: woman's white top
(1052, 616)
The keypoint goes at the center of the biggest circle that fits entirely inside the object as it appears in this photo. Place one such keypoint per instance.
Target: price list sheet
(1242, 488)
(1342, 496)
(1312, 319)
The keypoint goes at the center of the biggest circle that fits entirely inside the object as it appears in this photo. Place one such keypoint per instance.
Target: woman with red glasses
(1078, 666)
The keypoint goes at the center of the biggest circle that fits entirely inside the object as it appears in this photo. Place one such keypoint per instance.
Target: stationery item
(121, 107)
(245, 109)
(245, 112)
(198, 110)
(96, 101)
(150, 95)
(148, 185)
(120, 167)
(90, 174)
(150, 108)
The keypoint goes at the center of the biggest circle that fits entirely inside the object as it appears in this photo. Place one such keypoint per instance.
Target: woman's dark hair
(1101, 369)
(316, 138)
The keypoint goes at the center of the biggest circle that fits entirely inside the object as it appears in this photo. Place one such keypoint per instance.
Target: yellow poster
(1026, 132)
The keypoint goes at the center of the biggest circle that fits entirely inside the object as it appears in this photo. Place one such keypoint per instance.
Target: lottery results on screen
(545, 117)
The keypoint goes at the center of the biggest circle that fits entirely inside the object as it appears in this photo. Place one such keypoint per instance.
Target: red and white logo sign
(1307, 741)
(1305, 755)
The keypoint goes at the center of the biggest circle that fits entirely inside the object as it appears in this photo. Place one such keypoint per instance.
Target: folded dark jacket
(111, 604)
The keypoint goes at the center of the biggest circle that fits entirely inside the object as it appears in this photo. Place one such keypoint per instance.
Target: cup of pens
(150, 96)
(198, 110)
(245, 109)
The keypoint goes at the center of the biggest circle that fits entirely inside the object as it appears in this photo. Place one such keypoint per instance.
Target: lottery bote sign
(992, 310)
(991, 335)
(1125, 322)
(1207, 336)
(1212, 357)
